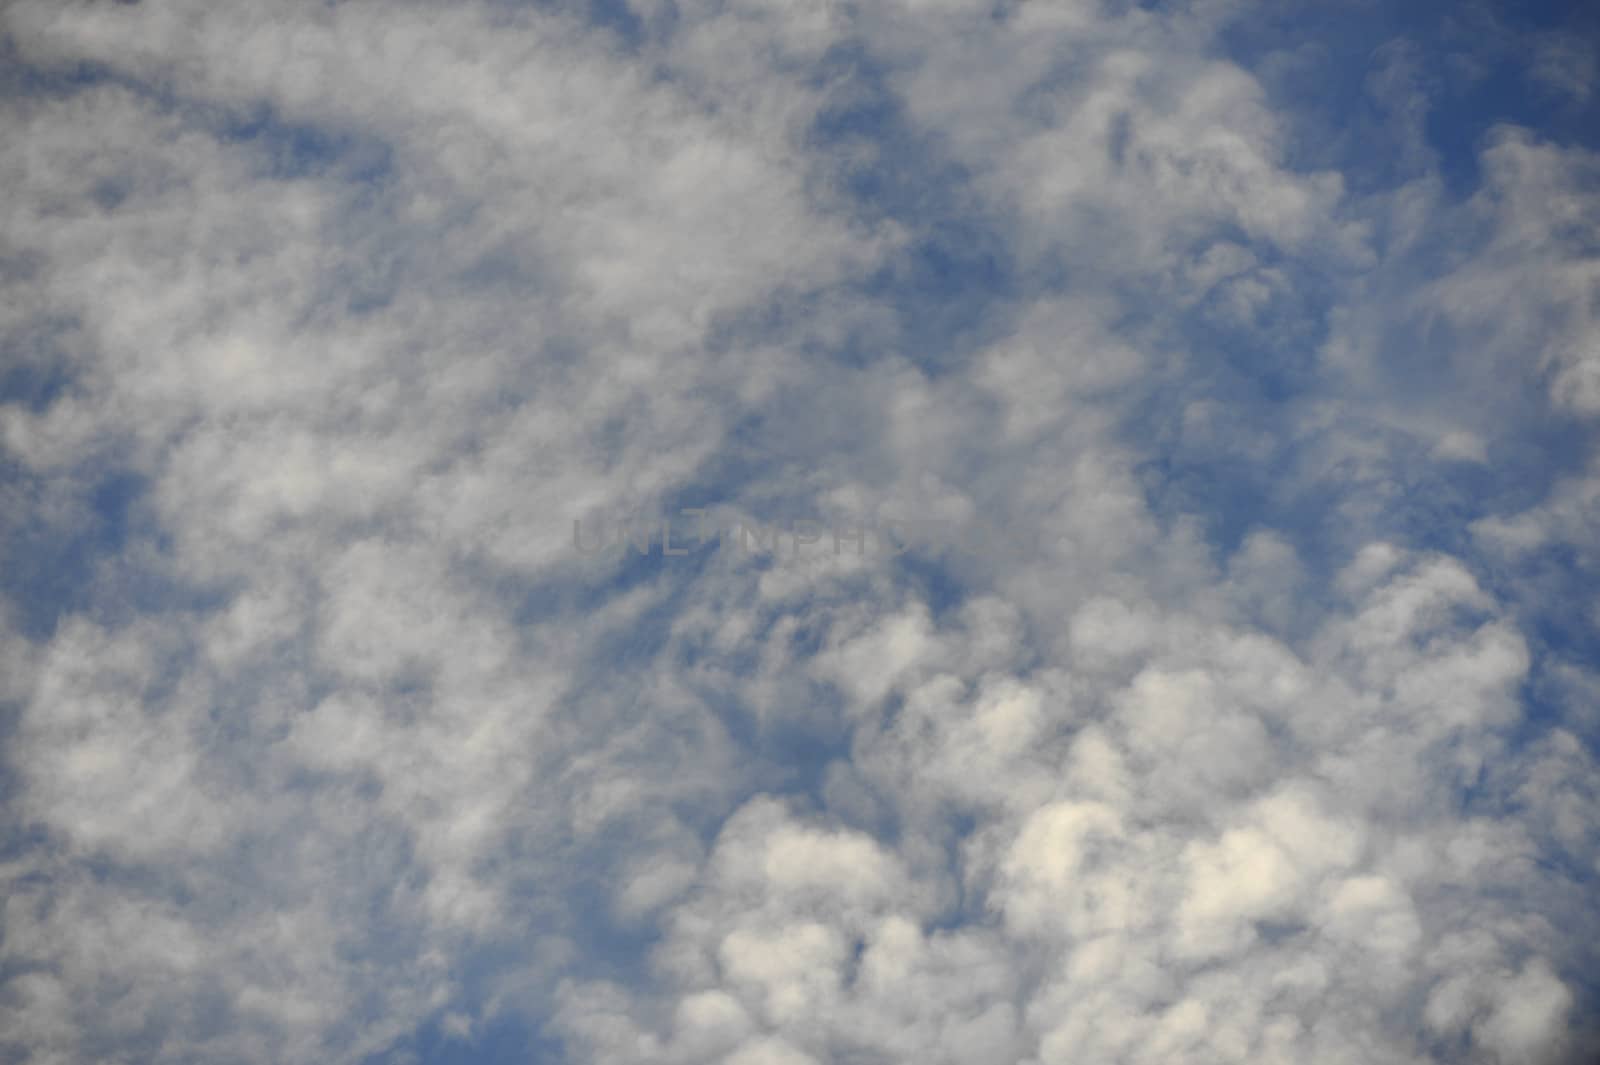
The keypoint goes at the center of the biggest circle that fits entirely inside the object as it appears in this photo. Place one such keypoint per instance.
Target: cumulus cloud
(323, 323)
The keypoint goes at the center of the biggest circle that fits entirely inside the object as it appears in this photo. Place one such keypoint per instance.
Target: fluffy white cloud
(1270, 738)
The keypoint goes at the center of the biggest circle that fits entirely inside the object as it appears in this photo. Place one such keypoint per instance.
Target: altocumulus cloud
(1274, 325)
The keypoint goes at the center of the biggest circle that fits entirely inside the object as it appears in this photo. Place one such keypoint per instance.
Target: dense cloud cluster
(323, 322)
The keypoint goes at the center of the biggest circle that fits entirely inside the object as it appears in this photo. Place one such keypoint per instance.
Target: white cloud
(1264, 755)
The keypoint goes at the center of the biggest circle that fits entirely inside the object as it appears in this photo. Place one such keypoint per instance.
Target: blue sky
(1270, 328)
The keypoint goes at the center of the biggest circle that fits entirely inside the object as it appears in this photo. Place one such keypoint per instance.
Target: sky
(1131, 481)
